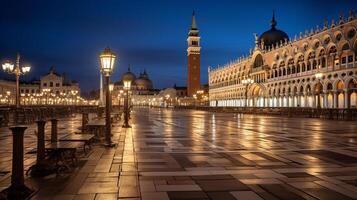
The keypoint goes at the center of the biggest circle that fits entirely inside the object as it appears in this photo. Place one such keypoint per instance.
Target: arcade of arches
(316, 70)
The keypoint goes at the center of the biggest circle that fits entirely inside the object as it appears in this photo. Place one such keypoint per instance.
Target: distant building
(142, 88)
(318, 68)
(57, 83)
(52, 88)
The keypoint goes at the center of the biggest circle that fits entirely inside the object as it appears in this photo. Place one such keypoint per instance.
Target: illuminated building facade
(193, 59)
(315, 69)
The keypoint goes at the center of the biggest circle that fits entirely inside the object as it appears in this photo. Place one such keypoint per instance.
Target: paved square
(187, 154)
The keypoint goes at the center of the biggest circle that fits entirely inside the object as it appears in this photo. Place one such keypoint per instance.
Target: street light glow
(107, 59)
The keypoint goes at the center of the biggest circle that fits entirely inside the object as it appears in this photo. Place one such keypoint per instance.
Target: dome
(128, 76)
(143, 82)
(273, 36)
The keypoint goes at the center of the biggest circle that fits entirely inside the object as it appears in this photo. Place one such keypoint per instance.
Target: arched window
(314, 64)
(345, 47)
(323, 62)
(258, 62)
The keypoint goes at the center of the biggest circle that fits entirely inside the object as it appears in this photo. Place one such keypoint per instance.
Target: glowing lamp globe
(107, 59)
(127, 84)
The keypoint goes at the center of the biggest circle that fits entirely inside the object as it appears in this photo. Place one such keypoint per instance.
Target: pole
(17, 73)
(126, 110)
(107, 112)
(101, 91)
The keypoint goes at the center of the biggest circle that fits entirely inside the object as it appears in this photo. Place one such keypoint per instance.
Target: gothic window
(350, 59)
(345, 47)
(327, 40)
(258, 62)
(314, 64)
(332, 49)
(351, 33)
(308, 66)
(323, 62)
(51, 84)
(195, 43)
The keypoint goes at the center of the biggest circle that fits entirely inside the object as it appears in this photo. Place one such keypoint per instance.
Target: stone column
(54, 136)
(325, 100)
(314, 102)
(347, 99)
(335, 100)
(17, 189)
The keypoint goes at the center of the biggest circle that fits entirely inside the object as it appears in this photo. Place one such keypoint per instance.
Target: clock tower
(193, 55)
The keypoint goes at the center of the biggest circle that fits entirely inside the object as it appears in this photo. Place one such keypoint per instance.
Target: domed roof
(273, 36)
(143, 82)
(128, 76)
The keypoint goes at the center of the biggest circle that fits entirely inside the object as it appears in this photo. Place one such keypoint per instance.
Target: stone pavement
(187, 154)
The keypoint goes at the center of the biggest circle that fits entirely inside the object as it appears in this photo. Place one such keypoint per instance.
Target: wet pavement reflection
(188, 154)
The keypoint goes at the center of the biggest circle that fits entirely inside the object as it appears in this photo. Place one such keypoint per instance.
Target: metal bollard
(40, 141)
(41, 168)
(17, 189)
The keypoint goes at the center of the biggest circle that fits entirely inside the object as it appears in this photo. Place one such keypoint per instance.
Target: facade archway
(256, 95)
(318, 97)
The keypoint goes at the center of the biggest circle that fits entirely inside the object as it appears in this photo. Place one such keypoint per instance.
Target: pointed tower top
(129, 68)
(194, 24)
(273, 21)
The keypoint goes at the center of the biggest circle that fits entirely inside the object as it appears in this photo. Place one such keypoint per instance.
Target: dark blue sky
(148, 35)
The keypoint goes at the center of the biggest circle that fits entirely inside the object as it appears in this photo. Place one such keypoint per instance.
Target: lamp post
(111, 88)
(107, 58)
(247, 82)
(127, 85)
(9, 67)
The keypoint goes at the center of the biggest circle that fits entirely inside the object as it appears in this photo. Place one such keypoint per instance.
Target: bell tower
(193, 55)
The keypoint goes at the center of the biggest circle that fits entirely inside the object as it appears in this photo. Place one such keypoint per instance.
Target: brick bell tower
(193, 54)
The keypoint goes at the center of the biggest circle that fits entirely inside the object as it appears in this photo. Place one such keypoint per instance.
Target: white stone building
(315, 69)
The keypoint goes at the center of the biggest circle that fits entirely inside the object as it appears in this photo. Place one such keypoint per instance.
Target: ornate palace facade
(315, 69)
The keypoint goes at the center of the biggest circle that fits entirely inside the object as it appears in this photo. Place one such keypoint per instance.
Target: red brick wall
(193, 74)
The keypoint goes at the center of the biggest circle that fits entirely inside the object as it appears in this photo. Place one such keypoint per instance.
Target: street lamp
(247, 82)
(127, 85)
(107, 58)
(9, 67)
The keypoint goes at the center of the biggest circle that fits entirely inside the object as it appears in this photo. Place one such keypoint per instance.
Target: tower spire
(193, 24)
(273, 21)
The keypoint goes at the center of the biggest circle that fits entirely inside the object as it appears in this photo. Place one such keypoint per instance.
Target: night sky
(147, 35)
